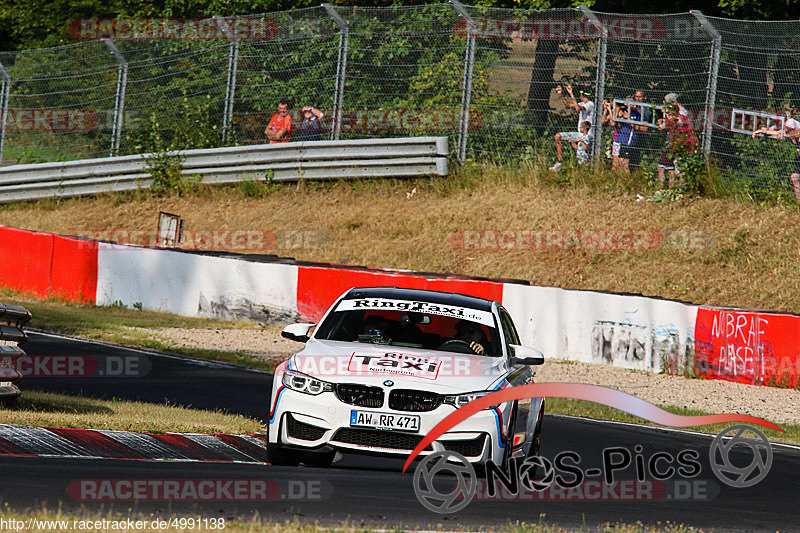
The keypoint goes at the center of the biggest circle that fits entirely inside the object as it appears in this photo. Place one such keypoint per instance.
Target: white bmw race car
(385, 365)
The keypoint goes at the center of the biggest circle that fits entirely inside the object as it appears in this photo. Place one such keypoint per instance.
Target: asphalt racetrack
(373, 491)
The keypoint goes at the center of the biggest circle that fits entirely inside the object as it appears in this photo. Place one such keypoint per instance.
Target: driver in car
(374, 330)
(471, 333)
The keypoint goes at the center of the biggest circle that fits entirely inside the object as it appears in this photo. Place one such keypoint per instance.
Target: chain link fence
(486, 77)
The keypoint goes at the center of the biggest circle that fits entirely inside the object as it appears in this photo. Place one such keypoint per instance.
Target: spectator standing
(627, 136)
(641, 133)
(310, 124)
(624, 134)
(606, 119)
(279, 129)
(681, 140)
(585, 110)
(671, 100)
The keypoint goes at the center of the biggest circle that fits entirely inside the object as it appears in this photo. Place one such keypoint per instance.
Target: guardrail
(398, 157)
(12, 318)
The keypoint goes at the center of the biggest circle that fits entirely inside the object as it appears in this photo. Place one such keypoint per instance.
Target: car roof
(437, 297)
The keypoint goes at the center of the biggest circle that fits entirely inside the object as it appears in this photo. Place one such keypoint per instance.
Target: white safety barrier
(195, 285)
(594, 327)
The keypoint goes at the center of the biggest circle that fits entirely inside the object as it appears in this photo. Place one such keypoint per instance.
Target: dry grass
(132, 327)
(42, 409)
(738, 254)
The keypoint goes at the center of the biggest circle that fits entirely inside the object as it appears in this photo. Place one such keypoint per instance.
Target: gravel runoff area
(773, 404)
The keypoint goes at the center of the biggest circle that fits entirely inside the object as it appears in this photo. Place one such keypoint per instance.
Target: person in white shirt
(790, 132)
(585, 109)
(584, 143)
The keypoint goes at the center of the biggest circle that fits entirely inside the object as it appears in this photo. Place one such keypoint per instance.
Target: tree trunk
(542, 83)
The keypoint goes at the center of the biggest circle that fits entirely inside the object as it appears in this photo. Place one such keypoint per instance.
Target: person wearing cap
(671, 99)
(310, 124)
(585, 109)
(680, 134)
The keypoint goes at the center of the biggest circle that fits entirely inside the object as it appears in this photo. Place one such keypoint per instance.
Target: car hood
(371, 364)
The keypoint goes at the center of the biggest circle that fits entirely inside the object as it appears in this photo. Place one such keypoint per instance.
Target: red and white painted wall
(623, 330)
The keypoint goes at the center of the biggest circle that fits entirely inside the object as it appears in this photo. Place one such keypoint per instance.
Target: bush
(166, 172)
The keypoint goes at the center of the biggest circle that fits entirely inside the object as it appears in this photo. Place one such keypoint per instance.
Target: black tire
(7, 403)
(510, 441)
(277, 455)
(318, 459)
(536, 446)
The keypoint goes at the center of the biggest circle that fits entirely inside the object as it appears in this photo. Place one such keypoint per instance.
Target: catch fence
(485, 77)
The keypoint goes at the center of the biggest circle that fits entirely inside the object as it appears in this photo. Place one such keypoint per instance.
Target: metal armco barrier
(397, 157)
(12, 318)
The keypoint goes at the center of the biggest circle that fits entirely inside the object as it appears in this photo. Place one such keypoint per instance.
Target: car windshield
(414, 325)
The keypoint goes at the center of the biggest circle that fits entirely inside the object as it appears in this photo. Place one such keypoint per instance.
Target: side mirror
(297, 332)
(523, 355)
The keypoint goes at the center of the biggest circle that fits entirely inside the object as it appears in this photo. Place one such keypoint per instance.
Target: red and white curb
(67, 442)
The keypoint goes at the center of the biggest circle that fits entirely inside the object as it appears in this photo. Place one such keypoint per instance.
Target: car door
(528, 409)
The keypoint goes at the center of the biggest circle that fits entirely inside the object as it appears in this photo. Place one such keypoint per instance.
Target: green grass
(44, 409)
(596, 411)
(257, 524)
(118, 324)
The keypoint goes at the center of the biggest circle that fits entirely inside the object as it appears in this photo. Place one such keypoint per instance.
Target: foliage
(768, 160)
(400, 61)
(254, 188)
(163, 144)
(34, 24)
(165, 170)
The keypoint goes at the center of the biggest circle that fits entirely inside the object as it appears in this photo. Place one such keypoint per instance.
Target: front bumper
(323, 422)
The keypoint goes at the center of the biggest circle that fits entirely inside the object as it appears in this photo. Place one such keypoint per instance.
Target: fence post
(600, 82)
(5, 92)
(466, 85)
(230, 86)
(341, 69)
(119, 100)
(713, 72)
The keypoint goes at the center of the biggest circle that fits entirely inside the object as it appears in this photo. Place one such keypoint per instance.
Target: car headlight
(460, 400)
(300, 382)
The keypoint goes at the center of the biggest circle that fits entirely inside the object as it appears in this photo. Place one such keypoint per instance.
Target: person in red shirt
(279, 129)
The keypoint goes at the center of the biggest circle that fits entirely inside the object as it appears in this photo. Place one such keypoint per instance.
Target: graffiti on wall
(748, 347)
(635, 346)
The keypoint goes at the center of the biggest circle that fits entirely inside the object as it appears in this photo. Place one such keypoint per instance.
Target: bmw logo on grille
(388, 382)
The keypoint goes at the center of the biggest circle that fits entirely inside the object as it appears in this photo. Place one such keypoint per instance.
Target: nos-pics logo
(445, 482)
